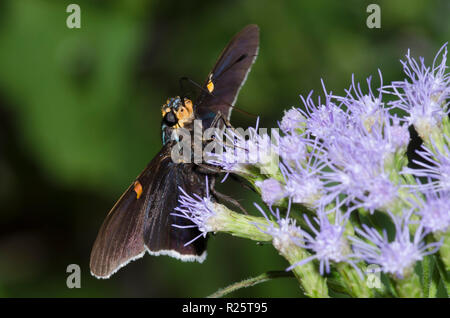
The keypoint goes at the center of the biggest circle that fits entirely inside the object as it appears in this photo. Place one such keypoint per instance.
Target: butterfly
(141, 220)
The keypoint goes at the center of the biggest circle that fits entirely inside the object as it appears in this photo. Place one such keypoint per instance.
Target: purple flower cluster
(356, 142)
(346, 153)
(357, 139)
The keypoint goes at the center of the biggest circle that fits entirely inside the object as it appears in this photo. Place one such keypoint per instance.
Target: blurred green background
(80, 118)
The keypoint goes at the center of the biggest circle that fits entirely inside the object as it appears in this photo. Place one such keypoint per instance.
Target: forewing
(120, 238)
(228, 75)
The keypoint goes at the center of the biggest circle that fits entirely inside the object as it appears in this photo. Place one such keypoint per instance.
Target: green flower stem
(409, 286)
(427, 280)
(354, 285)
(238, 224)
(313, 284)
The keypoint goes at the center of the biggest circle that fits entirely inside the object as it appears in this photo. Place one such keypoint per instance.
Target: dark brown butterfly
(141, 220)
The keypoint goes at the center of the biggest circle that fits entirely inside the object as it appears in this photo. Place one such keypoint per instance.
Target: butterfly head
(176, 113)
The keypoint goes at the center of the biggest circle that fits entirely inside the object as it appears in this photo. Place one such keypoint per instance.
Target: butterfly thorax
(177, 114)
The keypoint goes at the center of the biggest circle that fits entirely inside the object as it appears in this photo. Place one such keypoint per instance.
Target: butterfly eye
(170, 119)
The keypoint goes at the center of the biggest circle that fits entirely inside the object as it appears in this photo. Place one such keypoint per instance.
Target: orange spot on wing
(137, 189)
(210, 86)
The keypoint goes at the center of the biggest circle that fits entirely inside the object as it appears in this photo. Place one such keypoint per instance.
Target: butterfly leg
(209, 169)
(214, 123)
(220, 116)
(226, 198)
(242, 183)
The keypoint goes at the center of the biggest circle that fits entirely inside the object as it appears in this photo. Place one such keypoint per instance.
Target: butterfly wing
(146, 207)
(160, 236)
(120, 238)
(228, 75)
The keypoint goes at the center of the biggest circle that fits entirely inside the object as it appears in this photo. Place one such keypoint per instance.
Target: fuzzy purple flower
(381, 192)
(424, 95)
(399, 256)
(284, 230)
(272, 191)
(435, 165)
(434, 209)
(325, 121)
(242, 149)
(292, 148)
(196, 209)
(291, 120)
(356, 169)
(398, 134)
(328, 242)
(365, 108)
(302, 181)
